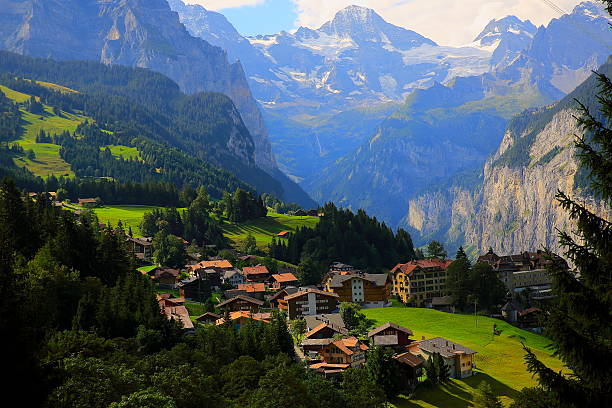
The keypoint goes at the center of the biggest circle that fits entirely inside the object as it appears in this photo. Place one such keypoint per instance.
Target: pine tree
(436, 250)
(580, 325)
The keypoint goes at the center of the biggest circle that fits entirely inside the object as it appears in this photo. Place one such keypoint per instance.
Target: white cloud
(224, 4)
(448, 22)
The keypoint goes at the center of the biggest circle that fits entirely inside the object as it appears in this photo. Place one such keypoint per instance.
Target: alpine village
(345, 214)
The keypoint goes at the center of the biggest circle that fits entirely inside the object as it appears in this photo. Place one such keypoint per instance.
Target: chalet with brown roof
(332, 319)
(238, 319)
(368, 290)
(344, 351)
(219, 265)
(420, 280)
(253, 289)
(193, 288)
(173, 309)
(167, 276)
(320, 336)
(308, 302)
(208, 318)
(411, 367)
(281, 294)
(390, 335)
(459, 359)
(241, 304)
(282, 280)
(142, 247)
(259, 273)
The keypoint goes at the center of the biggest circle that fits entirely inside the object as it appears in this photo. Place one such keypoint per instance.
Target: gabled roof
(284, 277)
(409, 267)
(208, 315)
(378, 279)
(243, 298)
(252, 287)
(281, 294)
(333, 319)
(409, 359)
(316, 342)
(259, 317)
(387, 325)
(346, 344)
(255, 270)
(446, 348)
(307, 291)
(340, 330)
(222, 263)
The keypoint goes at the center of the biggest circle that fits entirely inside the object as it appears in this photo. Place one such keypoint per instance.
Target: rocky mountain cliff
(511, 206)
(139, 33)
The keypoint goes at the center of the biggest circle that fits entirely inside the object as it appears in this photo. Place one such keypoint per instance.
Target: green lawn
(130, 215)
(499, 359)
(264, 229)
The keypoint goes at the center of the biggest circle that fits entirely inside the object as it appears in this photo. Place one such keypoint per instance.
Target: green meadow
(47, 161)
(499, 360)
(264, 229)
(123, 152)
(129, 215)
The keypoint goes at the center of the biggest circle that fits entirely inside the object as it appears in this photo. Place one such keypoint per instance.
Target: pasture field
(130, 215)
(264, 229)
(499, 360)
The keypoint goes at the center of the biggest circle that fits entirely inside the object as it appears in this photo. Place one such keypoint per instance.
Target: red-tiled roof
(213, 264)
(252, 287)
(409, 267)
(409, 359)
(260, 317)
(255, 270)
(284, 277)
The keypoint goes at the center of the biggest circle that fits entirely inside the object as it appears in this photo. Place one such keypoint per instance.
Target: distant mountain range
(371, 115)
(139, 33)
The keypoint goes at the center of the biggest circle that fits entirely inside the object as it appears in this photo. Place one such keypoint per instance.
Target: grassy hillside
(123, 152)
(499, 359)
(47, 161)
(264, 229)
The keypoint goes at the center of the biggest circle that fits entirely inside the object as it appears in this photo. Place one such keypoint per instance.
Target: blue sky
(268, 17)
(448, 22)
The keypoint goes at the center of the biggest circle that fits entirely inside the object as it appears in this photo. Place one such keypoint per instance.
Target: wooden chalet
(390, 335)
(259, 273)
(193, 288)
(308, 302)
(281, 294)
(411, 369)
(253, 289)
(174, 309)
(349, 351)
(241, 303)
(282, 280)
(369, 290)
(142, 247)
(208, 318)
(166, 276)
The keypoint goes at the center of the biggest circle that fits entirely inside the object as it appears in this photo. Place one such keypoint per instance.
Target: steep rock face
(513, 208)
(140, 33)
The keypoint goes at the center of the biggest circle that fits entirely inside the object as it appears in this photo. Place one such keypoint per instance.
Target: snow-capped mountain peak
(498, 30)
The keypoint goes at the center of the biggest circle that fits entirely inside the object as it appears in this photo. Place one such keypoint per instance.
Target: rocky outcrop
(514, 209)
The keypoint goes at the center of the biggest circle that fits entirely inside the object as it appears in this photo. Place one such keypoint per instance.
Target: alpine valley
(370, 115)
